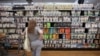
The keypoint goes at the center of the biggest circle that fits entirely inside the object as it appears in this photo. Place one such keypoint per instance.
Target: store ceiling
(38, 0)
(68, 1)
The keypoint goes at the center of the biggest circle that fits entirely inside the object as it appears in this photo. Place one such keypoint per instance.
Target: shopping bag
(26, 45)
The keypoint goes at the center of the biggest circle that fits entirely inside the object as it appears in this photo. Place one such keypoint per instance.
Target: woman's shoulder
(37, 27)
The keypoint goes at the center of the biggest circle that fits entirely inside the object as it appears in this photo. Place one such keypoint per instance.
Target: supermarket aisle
(66, 53)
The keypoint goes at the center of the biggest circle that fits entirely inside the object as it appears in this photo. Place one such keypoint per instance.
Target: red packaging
(67, 30)
(68, 36)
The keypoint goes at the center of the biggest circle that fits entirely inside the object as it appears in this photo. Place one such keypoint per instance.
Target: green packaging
(48, 25)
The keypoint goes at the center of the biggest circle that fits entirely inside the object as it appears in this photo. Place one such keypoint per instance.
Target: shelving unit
(68, 27)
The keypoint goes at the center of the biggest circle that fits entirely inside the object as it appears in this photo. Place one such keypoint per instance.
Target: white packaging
(24, 19)
(11, 31)
(94, 25)
(51, 19)
(5, 30)
(1, 30)
(66, 19)
(12, 25)
(88, 25)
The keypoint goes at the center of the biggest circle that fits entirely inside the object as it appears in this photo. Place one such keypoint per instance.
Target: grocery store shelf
(64, 49)
(54, 10)
(71, 49)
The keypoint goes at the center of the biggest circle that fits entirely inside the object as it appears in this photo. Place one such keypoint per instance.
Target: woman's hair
(31, 26)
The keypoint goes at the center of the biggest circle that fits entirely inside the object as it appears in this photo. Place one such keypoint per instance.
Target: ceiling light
(87, 1)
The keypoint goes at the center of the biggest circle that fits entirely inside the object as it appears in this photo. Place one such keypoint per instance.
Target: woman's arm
(23, 33)
(41, 36)
(40, 33)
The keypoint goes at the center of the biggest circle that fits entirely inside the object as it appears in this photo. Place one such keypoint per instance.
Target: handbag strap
(25, 33)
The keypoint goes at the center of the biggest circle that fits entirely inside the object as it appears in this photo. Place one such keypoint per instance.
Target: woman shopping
(35, 35)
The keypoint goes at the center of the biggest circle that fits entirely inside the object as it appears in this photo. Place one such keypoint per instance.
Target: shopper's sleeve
(39, 30)
(40, 33)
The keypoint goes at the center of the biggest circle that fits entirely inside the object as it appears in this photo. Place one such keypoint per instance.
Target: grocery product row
(50, 13)
(71, 44)
(70, 30)
(54, 31)
(52, 19)
(72, 25)
(62, 43)
(50, 6)
(79, 26)
(11, 31)
(53, 42)
(71, 36)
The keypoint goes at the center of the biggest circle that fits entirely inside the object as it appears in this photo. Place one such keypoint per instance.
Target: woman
(35, 35)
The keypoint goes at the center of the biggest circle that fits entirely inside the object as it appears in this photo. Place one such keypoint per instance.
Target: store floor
(61, 53)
